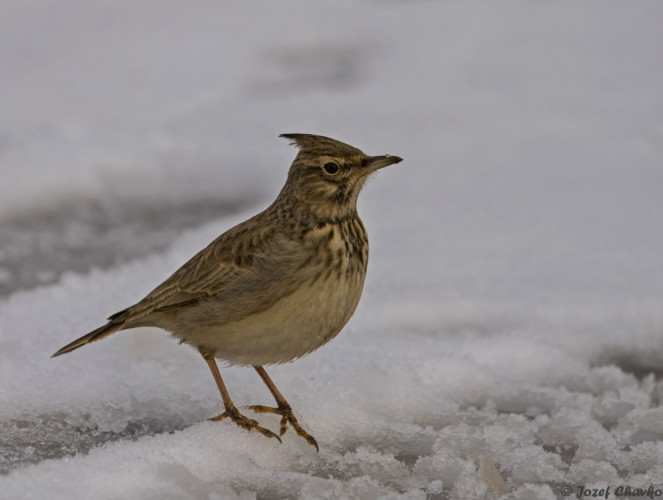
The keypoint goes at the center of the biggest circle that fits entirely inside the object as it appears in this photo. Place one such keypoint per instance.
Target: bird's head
(328, 174)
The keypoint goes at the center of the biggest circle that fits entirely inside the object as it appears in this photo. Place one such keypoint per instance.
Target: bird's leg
(282, 409)
(231, 411)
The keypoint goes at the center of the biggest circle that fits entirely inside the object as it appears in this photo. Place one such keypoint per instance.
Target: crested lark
(275, 287)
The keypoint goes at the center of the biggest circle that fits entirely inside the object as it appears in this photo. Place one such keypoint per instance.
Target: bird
(275, 287)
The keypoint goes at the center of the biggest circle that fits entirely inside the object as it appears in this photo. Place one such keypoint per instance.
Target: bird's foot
(287, 417)
(245, 423)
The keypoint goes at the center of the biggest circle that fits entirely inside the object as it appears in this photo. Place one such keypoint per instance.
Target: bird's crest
(320, 145)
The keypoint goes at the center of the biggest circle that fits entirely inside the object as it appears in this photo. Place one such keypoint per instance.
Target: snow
(508, 341)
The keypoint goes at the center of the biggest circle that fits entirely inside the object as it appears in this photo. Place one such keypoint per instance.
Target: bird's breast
(331, 274)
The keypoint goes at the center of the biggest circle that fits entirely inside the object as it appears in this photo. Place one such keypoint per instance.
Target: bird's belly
(294, 326)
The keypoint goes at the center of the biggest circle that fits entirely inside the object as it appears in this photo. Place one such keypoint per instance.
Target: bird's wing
(238, 264)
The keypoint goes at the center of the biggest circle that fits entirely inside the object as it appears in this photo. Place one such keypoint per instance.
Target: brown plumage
(275, 287)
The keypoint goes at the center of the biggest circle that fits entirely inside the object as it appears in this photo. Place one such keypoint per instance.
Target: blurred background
(524, 126)
(516, 252)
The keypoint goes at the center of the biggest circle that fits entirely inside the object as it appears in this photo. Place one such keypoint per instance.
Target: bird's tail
(93, 336)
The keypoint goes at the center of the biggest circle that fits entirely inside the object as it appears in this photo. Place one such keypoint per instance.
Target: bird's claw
(286, 417)
(244, 423)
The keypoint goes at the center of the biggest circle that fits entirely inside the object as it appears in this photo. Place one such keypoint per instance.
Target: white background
(510, 336)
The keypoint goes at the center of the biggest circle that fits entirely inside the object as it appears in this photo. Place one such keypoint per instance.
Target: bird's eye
(331, 168)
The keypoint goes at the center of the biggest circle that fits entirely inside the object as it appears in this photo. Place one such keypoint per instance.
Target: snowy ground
(510, 337)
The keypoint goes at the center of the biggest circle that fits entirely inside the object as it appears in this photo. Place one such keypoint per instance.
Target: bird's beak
(373, 163)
